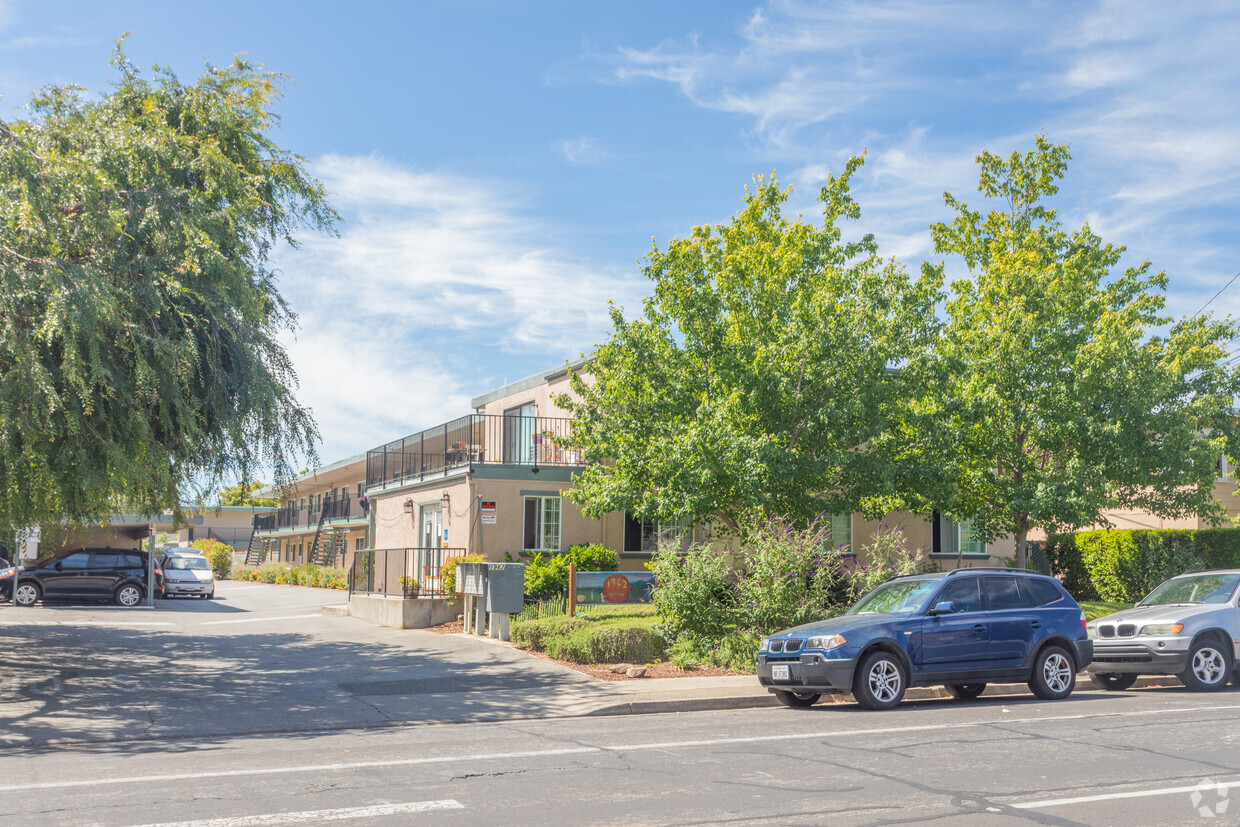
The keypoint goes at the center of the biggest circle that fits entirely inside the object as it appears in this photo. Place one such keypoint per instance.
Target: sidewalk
(645, 696)
(743, 692)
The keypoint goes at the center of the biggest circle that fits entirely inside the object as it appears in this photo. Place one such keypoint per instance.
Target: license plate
(781, 672)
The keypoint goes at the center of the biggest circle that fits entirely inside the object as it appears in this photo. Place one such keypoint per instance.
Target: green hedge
(597, 637)
(1123, 565)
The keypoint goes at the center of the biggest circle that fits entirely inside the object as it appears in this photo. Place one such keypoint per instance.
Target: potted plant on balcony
(411, 586)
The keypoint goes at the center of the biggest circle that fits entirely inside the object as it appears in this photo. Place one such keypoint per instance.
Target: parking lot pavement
(259, 658)
(1135, 757)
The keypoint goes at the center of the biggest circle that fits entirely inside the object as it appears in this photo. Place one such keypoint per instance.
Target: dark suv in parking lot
(963, 630)
(89, 573)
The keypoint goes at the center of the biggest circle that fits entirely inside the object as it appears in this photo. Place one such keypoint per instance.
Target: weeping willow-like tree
(138, 304)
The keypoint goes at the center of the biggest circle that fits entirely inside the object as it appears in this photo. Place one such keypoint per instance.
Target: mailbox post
(473, 580)
(505, 595)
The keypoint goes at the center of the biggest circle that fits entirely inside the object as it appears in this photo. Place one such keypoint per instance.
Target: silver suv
(1188, 627)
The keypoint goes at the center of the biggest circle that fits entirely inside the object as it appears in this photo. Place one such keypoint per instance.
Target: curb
(341, 610)
(762, 698)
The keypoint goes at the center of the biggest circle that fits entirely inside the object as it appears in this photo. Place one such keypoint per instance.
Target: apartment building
(323, 519)
(493, 482)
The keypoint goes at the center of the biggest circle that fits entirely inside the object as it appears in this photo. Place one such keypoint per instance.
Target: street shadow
(133, 690)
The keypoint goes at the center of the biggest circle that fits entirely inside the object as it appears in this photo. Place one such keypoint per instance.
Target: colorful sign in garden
(612, 587)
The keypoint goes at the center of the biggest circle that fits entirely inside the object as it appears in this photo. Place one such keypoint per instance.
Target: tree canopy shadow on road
(130, 690)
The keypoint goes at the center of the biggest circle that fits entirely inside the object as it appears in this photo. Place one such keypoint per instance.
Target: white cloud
(1143, 91)
(42, 41)
(433, 279)
(584, 151)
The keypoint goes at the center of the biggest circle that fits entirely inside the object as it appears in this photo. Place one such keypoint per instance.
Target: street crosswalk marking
(316, 816)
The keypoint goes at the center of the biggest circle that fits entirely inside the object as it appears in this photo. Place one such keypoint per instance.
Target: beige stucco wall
(394, 528)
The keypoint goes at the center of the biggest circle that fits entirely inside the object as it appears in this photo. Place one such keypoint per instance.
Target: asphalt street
(257, 659)
(1150, 756)
(259, 709)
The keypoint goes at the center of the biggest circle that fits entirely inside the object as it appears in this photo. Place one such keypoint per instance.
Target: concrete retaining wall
(401, 613)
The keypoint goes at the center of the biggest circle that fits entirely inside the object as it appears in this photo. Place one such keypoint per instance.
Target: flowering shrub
(284, 575)
(714, 609)
(790, 576)
(888, 555)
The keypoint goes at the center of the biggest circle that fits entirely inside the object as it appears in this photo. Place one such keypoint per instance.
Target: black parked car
(89, 573)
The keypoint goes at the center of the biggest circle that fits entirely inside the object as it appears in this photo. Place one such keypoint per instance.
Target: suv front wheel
(880, 681)
(796, 700)
(1207, 667)
(1054, 674)
(28, 594)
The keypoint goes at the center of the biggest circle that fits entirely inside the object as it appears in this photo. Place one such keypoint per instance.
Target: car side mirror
(60, 566)
(944, 608)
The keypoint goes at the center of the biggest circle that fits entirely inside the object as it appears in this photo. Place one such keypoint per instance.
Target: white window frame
(542, 511)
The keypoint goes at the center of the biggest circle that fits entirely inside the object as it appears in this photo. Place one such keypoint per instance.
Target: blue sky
(501, 167)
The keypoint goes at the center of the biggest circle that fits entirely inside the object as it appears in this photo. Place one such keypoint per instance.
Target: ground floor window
(542, 523)
(955, 538)
(840, 528)
(964, 540)
(644, 535)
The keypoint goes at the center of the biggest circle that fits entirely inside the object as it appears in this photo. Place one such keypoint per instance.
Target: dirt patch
(602, 671)
(453, 627)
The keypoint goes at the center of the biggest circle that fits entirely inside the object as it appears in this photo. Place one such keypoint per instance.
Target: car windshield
(199, 563)
(898, 596)
(1200, 588)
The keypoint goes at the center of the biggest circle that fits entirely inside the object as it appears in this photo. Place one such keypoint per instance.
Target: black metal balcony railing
(336, 508)
(476, 439)
(406, 572)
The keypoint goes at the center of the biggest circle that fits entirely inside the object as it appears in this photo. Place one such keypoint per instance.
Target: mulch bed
(666, 669)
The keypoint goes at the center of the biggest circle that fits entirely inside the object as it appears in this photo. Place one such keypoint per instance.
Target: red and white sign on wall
(488, 512)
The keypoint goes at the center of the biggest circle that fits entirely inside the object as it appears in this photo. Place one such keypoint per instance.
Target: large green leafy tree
(758, 379)
(239, 494)
(138, 305)
(1065, 390)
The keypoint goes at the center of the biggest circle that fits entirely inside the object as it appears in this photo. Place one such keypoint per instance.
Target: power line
(1216, 295)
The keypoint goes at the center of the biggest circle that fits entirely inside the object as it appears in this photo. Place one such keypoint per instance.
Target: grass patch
(1095, 609)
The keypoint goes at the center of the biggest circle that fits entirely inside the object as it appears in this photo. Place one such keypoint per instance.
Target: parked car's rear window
(133, 561)
(186, 563)
(1001, 593)
(1041, 592)
(106, 560)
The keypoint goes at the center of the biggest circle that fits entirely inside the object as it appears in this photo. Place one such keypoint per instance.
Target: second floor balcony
(476, 439)
(331, 509)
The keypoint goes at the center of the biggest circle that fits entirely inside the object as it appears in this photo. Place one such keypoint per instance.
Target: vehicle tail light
(1084, 625)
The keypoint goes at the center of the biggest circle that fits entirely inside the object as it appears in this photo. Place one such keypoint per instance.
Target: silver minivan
(188, 573)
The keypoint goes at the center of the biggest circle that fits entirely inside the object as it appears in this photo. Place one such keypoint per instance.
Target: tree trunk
(1022, 546)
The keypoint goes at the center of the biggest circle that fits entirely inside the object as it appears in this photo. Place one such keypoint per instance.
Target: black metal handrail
(394, 571)
(344, 507)
(476, 439)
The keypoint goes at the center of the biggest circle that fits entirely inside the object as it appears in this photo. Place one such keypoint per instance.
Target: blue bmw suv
(963, 630)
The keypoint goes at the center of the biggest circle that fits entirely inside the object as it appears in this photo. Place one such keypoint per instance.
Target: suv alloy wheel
(880, 681)
(1207, 667)
(129, 595)
(28, 594)
(1054, 674)
(796, 700)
